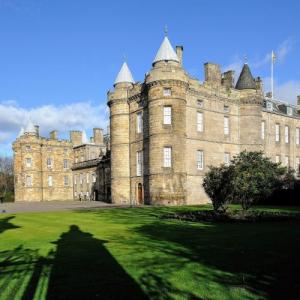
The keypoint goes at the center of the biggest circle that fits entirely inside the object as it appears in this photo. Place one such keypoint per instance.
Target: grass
(133, 254)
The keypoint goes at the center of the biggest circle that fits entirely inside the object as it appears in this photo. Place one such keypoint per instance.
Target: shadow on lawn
(80, 268)
(6, 225)
(261, 258)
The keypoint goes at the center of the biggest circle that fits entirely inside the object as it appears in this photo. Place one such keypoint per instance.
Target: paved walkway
(52, 206)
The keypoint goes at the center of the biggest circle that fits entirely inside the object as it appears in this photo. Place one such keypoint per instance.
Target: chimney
(76, 137)
(37, 130)
(228, 79)
(298, 100)
(53, 135)
(259, 84)
(212, 73)
(98, 136)
(179, 52)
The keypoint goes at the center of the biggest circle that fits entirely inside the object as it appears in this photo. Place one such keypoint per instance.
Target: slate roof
(246, 80)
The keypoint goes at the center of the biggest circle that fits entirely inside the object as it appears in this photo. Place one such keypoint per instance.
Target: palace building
(168, 129)
(165, 132)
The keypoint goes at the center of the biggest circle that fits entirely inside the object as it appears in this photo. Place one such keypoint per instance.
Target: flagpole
(272, 74)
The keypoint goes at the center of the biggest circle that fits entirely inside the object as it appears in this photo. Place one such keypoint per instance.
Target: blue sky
(58, 58)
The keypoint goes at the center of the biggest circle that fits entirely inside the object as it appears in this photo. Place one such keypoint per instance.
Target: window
(200, 121)
(200, 103)
(81, 178)
(226, 125)
(200, 160)
(286, 134)
(28, 181)
(75, 194)
(277, 133)
(76, 160)
(139, 122)
(139, 163)
(226, 108)
(297, 136)
(65, 150)
(289, 111)
(226, 159)
(269, 105)
(49, 162)
(167, 92)
(27, 147)
(66, 180)
(167, 115)
(50, 180)
(263, 128)
(28, 162)
(49, 149)
(94, 177)
(82, 158)
(167, 157)
(87, 178)
(277, 159)
(286, 161)
(75, 179)
(65, 164)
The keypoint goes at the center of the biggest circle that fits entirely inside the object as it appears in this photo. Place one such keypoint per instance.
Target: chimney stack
(76, 137)
(298, 100)
(212, 73)
(98, 136)
(228, 79)
(179, 52)
(37, 130)
(53, 135)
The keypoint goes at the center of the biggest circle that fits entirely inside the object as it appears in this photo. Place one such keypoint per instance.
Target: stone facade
(46, 169)
(211, 122)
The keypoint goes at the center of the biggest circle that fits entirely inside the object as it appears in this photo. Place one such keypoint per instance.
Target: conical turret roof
(246, 80)
(124, 75)
(166, 52)
(30, 127)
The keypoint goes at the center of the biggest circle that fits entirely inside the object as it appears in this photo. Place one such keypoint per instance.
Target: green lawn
(132, 254)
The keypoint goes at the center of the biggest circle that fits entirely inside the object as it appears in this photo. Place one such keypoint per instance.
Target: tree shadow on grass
(6, 225)
(259, 258)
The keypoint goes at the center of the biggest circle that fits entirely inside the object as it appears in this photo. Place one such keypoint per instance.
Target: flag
(273, 56)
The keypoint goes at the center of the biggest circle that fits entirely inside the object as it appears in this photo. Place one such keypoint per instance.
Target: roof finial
(246, 59)
(166, 30)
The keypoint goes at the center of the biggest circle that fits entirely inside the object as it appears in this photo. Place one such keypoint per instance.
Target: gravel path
(52, 206)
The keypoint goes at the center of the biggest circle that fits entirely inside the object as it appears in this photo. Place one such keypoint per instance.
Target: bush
(217, 184)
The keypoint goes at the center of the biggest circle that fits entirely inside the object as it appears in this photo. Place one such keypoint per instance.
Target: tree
(254, 177)
(6, 176)
(250, 177)
(217, 184)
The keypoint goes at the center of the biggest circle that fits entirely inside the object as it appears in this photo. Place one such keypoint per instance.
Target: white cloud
(78, 116)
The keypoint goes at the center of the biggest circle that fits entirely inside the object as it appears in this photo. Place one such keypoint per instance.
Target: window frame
(167, 115)
(139, 122)
(200, 121)
(167, 157)
(226, 126)
(165, 93)
(277, 133)
(200, 160)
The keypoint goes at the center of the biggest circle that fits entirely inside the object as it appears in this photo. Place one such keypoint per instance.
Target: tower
(167, 85)
(119, 136)
(250, 111)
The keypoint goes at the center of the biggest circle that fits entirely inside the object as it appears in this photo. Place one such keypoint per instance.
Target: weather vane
(246, 59)
(166, 30)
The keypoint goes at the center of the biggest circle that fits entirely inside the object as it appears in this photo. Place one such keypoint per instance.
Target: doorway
(140, 194)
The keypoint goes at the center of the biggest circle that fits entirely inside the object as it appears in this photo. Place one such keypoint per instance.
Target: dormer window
(289, 111)
(167, 92)
(269, 105)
